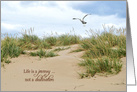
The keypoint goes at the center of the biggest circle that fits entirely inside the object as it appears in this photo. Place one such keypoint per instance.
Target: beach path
(65, 70)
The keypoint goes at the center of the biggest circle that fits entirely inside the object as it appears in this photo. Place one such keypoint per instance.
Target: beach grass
(102, 50)
(110, 44)
(61, 48)
(101, 65)
(67, 39)
(41, 53)
(77, 50)
(9, 48)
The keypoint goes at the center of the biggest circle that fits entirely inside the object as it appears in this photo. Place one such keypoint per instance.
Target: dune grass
(77, 50)
(51, 40)
(29, 41)
(67, 39)
(102, 50)
(101, 65)
(9, 49)
(41, 53)
(111, 44)
(61, 48)
(62, 40)
(14, 46)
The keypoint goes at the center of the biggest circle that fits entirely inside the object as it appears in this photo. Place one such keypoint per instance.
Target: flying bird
(82, 20)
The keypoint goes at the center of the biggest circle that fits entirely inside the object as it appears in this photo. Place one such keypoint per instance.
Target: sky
(49, 17)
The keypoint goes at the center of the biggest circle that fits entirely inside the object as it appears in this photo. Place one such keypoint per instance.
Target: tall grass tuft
(51, 40)
(41, 53)
(77, 50)
(29, 41)
(111, 43)
(101, 65)
(67, 39)
(14, 46)
(61, 48)
(9, 48)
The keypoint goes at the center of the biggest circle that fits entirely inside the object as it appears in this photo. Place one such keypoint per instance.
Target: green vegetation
(77, 50)
(51, 40)
(29, 41)
(9, 49)
(64, 40)
(102, 50)
(67, 39)
(102, 65)
(14, 46)
(41, 53)
(61, 48)
(50, 54)
(7, 61)
(110, 44)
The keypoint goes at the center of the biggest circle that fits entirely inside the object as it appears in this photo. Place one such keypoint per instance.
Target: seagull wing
(76, 19)
(85, 16)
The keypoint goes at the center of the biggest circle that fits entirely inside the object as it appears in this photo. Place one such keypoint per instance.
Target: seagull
(82, 20)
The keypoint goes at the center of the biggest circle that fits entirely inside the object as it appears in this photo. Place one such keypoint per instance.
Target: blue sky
(56, 16)
(104, 8)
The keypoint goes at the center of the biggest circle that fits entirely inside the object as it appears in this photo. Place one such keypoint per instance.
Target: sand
(65, 70)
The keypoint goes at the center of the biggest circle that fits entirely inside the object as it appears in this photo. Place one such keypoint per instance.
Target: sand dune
(65, 70)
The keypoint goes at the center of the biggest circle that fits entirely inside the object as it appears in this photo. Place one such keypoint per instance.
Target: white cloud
(10, 26)
(45, 18)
